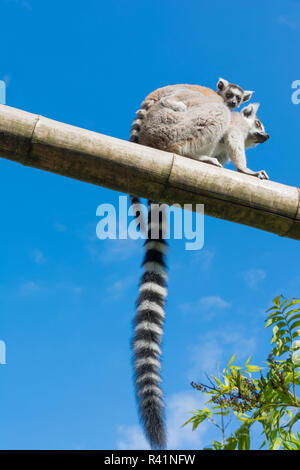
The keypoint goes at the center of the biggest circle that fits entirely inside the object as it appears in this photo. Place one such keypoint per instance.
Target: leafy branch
(269, 398)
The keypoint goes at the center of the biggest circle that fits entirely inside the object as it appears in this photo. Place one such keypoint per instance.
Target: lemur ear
(247, 95)
(222, 83)
(250, 110)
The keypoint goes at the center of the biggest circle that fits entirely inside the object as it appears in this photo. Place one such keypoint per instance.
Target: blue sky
(67, 298)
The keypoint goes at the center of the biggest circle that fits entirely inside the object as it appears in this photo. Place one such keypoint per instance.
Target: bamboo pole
(70, 151)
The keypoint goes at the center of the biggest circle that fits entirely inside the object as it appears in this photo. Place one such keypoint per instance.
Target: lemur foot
(262, 175)
(172, 104)
(211, 160)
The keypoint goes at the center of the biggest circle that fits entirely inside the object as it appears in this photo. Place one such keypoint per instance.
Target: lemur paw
(217, 163)
(262, 175)
(180, 106)
(175, 105)
(212, 160)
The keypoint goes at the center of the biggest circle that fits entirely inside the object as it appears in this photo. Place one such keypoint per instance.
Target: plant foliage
(265, 395)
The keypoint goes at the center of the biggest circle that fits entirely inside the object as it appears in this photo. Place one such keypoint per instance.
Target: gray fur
(230, 94)
(207, 131)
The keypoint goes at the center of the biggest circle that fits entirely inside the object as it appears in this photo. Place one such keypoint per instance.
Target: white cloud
(253, 277)
(203, 259)
(29, 288)
(179, 406)
(118, 288)
(132, 438)
(205, 358)
(60, 227)
(290, 23)
(217, 347)
(23, 3)
(108, 251)
(33, 287)
(207, 303)
(39, 257)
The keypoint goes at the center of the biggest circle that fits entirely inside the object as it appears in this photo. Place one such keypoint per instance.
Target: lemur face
(233, 95)
(256, 133)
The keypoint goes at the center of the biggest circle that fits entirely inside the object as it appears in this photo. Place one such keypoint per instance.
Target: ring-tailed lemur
(233, 96)
(208, 131)
(230, 94)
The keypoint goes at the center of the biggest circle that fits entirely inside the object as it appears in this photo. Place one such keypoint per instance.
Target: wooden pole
(70, 151)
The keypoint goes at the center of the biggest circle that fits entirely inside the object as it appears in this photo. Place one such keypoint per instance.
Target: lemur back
(230, 94)
(156, 95)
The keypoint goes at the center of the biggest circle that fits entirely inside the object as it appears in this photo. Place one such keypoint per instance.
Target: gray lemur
(206, 130)
(232, 96)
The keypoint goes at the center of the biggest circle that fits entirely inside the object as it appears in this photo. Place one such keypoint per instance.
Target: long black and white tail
(137, 207)
(134, 137)
(148, 330)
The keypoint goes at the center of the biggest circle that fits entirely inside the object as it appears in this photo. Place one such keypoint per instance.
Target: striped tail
(136, 204)
(148, 331)
(134, 137)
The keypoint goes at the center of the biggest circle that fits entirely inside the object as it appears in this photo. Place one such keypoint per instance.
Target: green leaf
(279, 325)
(275, 314)
(296, 334)
(218, 381)
(296, 345)
(276, 301)
(293, 302)
(292, 443)
(294, 317)
(198, 418)
(248, 360)
(272, 308)
(296, 362)
(244, 440)
(296, 324)
(278, 333)
(231, 360)
(276, 444)
(273, 320)
(254, 368)
(281, 347)
(294, 420)
(231, 443)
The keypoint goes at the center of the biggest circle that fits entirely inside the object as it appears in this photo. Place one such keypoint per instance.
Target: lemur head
(256, 131)
(233, 95)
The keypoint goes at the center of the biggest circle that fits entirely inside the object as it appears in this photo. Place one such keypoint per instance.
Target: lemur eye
(238, 99)
(229, 95)
(258, 124)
